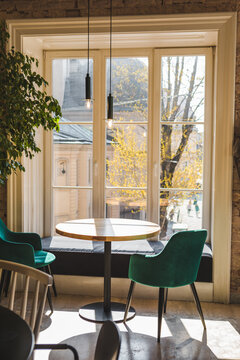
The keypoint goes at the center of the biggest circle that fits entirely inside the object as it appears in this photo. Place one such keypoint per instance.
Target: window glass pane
(126, 203)
(183, 88)
(181, 145)
(129, 88)
(181, 156)
(126, 162)
(71, 204)
(180, 210)
(72, 149)
(69, 87)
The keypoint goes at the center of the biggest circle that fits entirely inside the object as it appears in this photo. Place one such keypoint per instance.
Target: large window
(154, 161)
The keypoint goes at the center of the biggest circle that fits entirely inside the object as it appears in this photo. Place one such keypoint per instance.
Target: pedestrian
(195, 203)
(189, 207)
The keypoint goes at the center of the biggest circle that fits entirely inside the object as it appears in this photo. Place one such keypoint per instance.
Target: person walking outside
(195, 203)
(189, 207)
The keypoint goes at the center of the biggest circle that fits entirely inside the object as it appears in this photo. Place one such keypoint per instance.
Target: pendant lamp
(87, 78)
(110, 98)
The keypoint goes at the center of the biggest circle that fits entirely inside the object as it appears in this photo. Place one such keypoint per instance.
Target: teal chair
(176, 265)
(26, 249)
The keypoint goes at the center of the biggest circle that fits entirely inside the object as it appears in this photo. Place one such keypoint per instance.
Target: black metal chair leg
(165, 301)
(194, 291)
(53, 284)
(160, 311)
(57, 347)
(49, 297)
(129, 299)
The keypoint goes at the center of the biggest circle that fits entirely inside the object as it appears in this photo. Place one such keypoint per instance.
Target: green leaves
(24, 107)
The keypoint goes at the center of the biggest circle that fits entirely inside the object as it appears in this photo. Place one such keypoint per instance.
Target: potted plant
(24, 107)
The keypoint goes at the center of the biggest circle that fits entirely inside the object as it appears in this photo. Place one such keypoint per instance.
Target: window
(72, 184)
(185, 136)
(33, 188)
(153, 163)
(126, 141)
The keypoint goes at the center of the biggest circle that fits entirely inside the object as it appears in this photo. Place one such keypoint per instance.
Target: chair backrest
(176, 265)
(17, 340)
(37, 302)
(13, 250)
(108, 343)
(3, 230)
(182, 256)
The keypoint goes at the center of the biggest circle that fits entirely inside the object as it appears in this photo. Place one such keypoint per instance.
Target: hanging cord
(110, 87)
(88, 33)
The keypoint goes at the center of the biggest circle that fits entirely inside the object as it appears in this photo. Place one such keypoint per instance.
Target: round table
(16, 337)
(107, 230)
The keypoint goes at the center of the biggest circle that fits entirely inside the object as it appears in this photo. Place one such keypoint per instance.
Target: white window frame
(208, 53)
(99, 124)
(153, 150)
(29, 36)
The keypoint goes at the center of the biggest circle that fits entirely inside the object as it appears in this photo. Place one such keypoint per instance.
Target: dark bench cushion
(81, 257)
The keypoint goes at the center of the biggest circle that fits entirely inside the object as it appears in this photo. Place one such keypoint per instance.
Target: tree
(24, 107)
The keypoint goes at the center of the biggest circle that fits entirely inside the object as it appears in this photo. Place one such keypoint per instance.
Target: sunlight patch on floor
(222, 338)
(64, 324)
(146, 325)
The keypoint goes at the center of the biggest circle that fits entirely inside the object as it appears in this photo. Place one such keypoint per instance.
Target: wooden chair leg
(129, 299)
(53, 284)
(7, 282)
(49, 297)
(194, 291)
(2, 281)
(160, 311)
(165, 301)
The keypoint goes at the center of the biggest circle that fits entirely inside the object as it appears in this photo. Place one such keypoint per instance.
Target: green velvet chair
(176, 265)
(26, 249)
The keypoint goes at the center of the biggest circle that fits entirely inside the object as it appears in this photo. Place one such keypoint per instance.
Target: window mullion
(98, 135)
(154, 141)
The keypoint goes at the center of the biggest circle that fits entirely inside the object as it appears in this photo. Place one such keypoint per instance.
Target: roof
(74, 133)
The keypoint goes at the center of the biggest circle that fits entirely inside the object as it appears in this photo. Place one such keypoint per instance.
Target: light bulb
(88, 103)
(109, 123)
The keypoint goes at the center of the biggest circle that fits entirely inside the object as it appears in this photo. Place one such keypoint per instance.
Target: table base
(95, 313)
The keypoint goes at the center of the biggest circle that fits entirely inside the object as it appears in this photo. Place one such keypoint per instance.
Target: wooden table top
(100, 229)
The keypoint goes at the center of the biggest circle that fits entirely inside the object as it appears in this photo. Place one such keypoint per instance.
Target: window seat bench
(86, 258)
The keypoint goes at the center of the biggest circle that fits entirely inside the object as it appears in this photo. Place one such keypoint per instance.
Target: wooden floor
(182, 332)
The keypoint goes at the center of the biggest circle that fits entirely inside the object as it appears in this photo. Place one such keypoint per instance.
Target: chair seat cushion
(43, 258)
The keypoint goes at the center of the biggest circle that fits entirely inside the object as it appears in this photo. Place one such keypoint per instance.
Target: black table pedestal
(95, 312)
(100, 312)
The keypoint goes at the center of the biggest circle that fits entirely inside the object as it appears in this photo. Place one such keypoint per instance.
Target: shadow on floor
(140, 347)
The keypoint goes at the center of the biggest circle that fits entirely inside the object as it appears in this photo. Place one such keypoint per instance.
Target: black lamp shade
(88, 87)
(110, 107)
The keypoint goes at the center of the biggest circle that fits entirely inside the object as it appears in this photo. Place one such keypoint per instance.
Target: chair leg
(57, 347)
(2, 281)
(53, 284)
(165, 301)
(129, 299)
(7, 282)
(49, 297)
(160, 311)
(194, 291)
